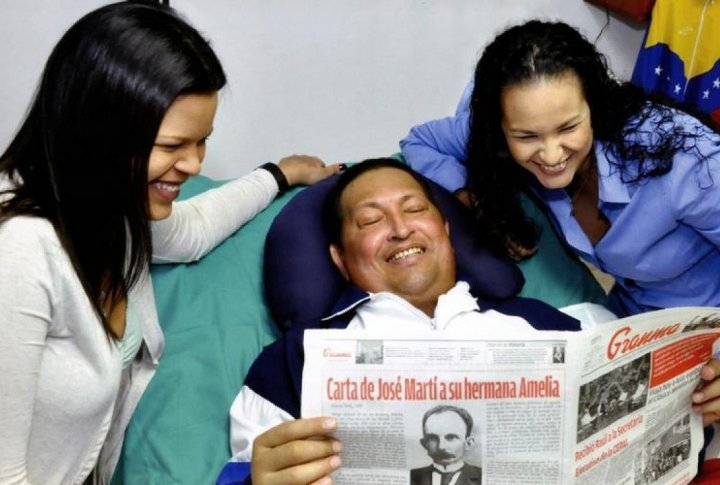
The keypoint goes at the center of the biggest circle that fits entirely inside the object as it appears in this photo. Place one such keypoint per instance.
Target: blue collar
(611, 188)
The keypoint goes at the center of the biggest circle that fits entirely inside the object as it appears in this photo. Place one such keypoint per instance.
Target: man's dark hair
(444, 408)
(332, 210)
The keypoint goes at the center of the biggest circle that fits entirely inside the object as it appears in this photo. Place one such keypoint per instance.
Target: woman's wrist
(278, 175)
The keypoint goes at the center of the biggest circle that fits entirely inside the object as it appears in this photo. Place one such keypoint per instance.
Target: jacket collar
(344, 308)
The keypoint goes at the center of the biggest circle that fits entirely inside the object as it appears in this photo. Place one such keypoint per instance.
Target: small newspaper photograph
(606, 405)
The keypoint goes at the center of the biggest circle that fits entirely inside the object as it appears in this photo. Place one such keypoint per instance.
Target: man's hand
(706, 398)
(297, 452)
(306, 170)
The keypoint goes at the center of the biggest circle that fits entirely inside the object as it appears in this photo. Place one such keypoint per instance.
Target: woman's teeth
(167, 187)
(553, 169)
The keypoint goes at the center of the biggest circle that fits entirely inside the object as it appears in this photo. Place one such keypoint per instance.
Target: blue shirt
(663, 243)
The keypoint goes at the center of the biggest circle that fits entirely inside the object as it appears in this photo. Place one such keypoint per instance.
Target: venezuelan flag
(681, 53)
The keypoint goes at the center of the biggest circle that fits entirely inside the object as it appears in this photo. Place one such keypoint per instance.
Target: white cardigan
(65, 401)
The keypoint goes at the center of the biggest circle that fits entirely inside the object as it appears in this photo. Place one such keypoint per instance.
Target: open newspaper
(605, 405)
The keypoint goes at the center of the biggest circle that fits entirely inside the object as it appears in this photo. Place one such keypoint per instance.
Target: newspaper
(606, 405)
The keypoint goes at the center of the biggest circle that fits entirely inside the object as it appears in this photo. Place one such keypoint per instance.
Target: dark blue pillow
(302, 283)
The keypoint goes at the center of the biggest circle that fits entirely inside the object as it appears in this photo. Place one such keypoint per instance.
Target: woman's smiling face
(547, 126)
(179, 149)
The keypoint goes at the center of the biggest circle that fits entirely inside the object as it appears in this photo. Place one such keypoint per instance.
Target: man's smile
(405, 254)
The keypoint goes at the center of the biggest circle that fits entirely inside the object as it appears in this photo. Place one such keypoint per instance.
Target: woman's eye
(568, 129)
(168, 146)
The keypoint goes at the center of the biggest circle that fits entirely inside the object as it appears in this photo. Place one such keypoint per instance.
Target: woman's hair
(80, 158)
(618, 111)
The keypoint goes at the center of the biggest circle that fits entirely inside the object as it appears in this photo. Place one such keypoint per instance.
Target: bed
(216, 320)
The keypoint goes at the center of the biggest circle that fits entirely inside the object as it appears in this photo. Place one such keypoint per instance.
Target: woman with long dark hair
(120, 120)
(630, 181)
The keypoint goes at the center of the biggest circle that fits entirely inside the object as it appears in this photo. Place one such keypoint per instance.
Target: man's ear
(469, 442)
(336, 255)
(424, 443)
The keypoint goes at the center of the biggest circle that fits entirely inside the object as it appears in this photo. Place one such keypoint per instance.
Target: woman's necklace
(578, 185)
(584, 199)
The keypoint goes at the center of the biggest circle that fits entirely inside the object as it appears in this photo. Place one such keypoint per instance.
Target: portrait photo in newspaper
(448, 437)
(612, 396)
(662, 454)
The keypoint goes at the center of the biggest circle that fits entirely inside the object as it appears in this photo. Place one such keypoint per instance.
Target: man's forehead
(378, 187)
(445, 417)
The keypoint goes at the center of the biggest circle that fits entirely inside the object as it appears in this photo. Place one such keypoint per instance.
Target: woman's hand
(464, 196)
(306, 170)
(298, 452)
(517, 251)
(706, 398)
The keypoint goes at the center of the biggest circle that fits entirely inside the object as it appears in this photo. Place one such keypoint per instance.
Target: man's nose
(399, 228)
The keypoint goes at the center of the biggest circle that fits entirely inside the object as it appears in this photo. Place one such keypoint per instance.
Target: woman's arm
(25, 316)
(195, 226)
(437, 149)
(693, 186)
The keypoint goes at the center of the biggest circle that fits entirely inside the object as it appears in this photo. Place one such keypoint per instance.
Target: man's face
(394, 239)
(445, 438)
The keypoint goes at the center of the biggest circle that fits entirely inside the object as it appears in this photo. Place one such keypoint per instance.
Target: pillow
(302, 283)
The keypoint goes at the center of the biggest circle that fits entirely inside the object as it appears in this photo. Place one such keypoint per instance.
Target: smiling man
(391, 243)
(391, 237)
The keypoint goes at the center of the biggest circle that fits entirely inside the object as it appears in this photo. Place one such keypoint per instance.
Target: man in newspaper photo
(447, 435)
(391, 243)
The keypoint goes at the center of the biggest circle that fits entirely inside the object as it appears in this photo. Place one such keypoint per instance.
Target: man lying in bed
(390, 241)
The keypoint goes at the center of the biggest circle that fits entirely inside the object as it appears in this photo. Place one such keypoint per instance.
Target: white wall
(343, 80)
